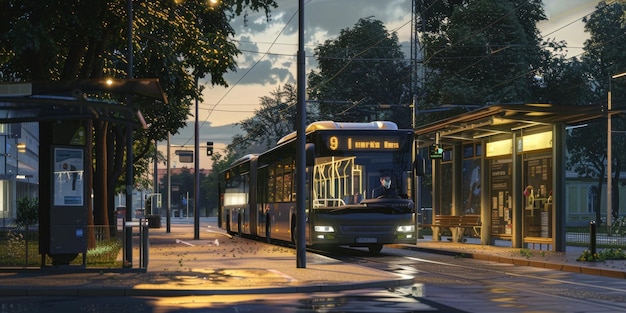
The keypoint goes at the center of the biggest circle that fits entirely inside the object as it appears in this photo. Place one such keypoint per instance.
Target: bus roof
(322, 125)
(243, 159)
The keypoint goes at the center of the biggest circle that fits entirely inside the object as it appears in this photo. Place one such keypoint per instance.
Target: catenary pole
(129, 143)
(301, 145)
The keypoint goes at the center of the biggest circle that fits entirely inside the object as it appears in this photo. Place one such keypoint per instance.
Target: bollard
(592, 237)
(144, 243)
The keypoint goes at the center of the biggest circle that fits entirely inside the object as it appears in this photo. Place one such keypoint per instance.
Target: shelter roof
(58, 100)
(504, 119)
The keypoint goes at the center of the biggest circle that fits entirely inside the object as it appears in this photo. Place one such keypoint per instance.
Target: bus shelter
(63, 144)
(504, 165)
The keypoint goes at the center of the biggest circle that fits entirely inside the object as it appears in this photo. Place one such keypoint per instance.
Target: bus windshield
(339, 180)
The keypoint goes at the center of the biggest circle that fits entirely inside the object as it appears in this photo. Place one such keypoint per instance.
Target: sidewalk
(502, 252)
(214, 264)
(220, 264)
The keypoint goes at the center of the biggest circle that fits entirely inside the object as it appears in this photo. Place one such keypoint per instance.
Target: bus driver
(384, 190)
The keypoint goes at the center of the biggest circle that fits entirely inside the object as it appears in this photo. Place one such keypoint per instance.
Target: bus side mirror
(310, 154)
(420, 165)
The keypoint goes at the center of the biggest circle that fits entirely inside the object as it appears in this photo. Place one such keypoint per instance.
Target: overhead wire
(273, 43)
(523, 74)
(571, 57)
(247, 72)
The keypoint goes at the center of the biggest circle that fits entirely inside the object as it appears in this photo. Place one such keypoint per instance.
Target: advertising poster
(68, 177)
(501, 198)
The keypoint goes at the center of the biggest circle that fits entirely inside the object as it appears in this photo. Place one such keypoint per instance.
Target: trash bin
(154, 221)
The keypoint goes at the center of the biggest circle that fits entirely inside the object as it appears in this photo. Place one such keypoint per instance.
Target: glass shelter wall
(538, 197)
(445, 196)
(471, 178)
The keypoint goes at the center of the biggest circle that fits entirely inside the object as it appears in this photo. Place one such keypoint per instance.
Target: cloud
(264, 72)
(218, 134)
(269, 45)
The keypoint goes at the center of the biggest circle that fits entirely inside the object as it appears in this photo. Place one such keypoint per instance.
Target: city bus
(344, 165)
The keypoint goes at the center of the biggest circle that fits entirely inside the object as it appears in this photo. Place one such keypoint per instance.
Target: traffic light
(209, 148)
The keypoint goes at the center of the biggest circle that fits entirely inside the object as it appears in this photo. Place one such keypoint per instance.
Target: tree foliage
(27, 212)
(485, 52)
(175, 41)
(605, 56)
(274, 119)
(360, 72)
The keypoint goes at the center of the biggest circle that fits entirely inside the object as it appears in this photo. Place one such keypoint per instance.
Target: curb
(165, 292)
(580, 269)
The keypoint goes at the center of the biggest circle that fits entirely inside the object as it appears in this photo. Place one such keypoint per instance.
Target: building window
(592, 197)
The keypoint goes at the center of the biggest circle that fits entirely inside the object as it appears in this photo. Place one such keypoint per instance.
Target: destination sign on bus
(336, 142)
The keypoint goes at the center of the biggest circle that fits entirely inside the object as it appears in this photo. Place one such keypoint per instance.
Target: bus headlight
(324, 229)
(406, 229)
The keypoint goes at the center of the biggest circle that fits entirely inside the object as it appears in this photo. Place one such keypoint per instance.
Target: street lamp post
(168, 188)
(609, 155)
(196, 172)
(128, 254)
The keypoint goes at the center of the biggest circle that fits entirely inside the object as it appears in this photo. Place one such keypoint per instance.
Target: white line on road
(180, 241)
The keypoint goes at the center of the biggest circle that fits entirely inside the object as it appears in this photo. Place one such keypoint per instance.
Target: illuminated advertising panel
(68, 177)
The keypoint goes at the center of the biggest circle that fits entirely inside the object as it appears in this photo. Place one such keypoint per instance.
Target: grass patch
(13, 251)
(105, 254)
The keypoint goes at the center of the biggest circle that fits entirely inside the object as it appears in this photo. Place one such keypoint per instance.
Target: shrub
(619, 226)
(27, 212)
(606, 254)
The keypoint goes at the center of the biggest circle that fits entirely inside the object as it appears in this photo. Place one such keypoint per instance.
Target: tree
(177, 42)
(482, 52)
(606, 56)
(361, 72)
(275, 119)
(585, 156)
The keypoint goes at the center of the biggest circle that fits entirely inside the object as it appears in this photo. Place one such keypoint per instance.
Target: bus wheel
(228, 230)
(268, 230)
(375, 248)
(294, 229)
(239, 226)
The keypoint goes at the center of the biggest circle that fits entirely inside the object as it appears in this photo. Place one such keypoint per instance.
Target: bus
(345, 164)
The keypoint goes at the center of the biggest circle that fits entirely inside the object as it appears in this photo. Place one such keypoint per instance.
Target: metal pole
(609, 156)
(301, 145)
(145, 243)
(129, 144)
(196, 173)
(592, 237)
(609, 162)
(168, 210)
(417, 178)
(154, 201)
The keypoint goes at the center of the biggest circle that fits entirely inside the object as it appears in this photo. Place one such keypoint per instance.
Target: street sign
(185, 156)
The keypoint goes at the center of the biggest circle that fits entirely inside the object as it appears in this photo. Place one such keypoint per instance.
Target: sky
(269, 47)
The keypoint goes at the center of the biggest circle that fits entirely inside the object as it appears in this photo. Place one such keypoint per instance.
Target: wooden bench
(456, 224)
(548, 242)
(473, 221)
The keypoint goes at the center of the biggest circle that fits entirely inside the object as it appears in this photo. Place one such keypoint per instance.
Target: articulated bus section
(359, 178)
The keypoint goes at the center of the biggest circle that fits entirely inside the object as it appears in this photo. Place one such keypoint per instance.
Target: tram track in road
(494, 287)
